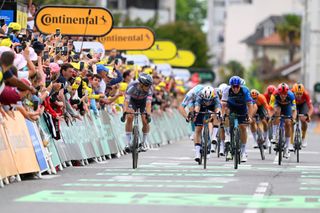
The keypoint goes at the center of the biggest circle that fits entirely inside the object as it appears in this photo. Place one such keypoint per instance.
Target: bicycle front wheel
(236, 151)
(297, 143)
(280, 145)
(135, 146)
(205, 146)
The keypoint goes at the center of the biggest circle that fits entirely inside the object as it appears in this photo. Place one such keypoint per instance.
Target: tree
(192, 11)
(290, 33)
(231, 68)
(186, 36)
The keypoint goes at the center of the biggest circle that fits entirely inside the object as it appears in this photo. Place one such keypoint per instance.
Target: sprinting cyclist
(269, 92)
(283, 103)
(206, 100)
(236, 99)
(261, 108)
(138, 96)
(304, 106)
(189, 101)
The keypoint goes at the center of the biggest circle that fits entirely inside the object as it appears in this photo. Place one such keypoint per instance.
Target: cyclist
(304, 106)
(283, 103)
(206, 100)
(270, 90)
(219, 91)
(138, 96)
(236, 99)
(261, 108)
(189, 101)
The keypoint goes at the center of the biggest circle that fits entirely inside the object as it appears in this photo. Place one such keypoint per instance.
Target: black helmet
(145, 79)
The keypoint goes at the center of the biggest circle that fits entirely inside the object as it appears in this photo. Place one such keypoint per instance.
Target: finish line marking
(259, 194)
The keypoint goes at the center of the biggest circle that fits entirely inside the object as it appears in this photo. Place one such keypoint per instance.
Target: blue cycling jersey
(238, 100)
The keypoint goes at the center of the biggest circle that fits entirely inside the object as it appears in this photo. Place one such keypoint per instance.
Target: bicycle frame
(260, 137)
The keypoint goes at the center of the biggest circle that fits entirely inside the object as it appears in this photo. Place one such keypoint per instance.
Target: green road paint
(310, 188)
(310, 176)
(170, 170)
(144, 185)
(173, 199)
(211, 181)
(309, 172)
(166, 174)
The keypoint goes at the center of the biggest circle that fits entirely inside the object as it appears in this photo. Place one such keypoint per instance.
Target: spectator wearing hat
(15, 28)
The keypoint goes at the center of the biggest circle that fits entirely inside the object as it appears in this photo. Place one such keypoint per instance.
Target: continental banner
(184, 58)
(74, 20)
(128, 38)
(7, 164)
(161, 50)
(21, 145)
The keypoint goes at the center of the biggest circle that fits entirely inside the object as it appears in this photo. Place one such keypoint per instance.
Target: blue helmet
(235, 80)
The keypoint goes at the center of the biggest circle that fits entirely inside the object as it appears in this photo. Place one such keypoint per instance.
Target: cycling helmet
(283, 88)
(207, 93)
(243, 82)
(298, 88)
(271, 89)
(145, 79)
(235, 80)
(254, 93)
(222, 86)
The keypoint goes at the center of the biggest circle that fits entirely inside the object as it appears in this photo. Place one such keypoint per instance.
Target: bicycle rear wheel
(205, 146)
(236, 151)
(135, 145)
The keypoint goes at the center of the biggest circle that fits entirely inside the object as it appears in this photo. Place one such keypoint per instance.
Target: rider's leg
(243, 137)
(197, 142)
(275, 125)
(145, 129)
(253, 128)
(129, 120)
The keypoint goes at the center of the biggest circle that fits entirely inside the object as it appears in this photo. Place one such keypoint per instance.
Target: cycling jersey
(238, 100)
(288, 101)
(190, 97)
(261, 101)
(205, 105)
(305, 98)
(267, 96)
(135, 92)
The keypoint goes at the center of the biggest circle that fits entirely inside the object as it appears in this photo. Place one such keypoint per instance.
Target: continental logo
(128, 38)
(48, 19)
(79, 21)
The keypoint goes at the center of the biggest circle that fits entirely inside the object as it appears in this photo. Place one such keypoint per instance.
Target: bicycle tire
(236, 138)
(205, 146)
(227, 150)
(260, 144)
(280, 146)
(135, 145)
(297, 144)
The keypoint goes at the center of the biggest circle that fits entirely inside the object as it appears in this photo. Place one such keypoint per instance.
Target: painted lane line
(258, 195)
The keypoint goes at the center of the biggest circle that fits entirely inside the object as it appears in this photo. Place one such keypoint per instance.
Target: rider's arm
(272, 104)
(293, 105)
(310, 105)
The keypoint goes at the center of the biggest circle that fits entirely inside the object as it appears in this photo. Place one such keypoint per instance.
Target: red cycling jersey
(305, 98)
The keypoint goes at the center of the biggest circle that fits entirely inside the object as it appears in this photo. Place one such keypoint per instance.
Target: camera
(63, 50)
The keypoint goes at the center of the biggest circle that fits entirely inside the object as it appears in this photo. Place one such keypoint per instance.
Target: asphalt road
(168, 180)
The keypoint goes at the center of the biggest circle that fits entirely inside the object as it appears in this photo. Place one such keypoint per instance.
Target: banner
(184, 58)
(7, 164)
(74, 20)
(161, 50)
(21, 145)
(37, 145)
(128, 38)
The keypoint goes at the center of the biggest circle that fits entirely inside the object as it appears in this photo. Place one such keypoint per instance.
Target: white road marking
(259, 194)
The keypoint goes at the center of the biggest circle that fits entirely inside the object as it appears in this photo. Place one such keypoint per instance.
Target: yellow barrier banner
(7, 164)
(161, 50)
(74, 20)
(128, 38)
(184, 58)
(20, 142)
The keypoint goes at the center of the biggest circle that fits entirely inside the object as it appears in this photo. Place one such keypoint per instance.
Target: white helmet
(207, 93)
(243, 82)
(222, 86)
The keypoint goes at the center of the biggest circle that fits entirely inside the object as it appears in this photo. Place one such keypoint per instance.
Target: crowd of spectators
(44, 75)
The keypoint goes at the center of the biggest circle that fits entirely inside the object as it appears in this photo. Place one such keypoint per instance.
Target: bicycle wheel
(280, 145)
(135, 145)
(297, 143)
(236, 151)
(260, 144)
(205, 146)
(227, 150)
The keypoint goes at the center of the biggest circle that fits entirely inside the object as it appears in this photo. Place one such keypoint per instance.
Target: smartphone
(45, 55)
(58, 32)
(64, 50)
(81, 65)
(2, 22)
(130, 62)
(58, 50)
(35, 105)
(89, 56)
